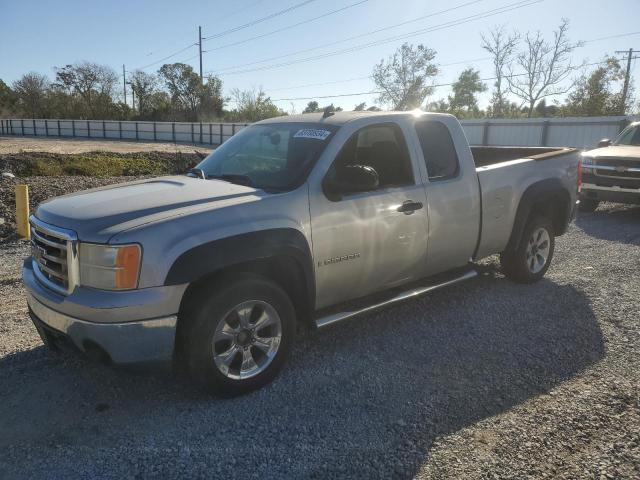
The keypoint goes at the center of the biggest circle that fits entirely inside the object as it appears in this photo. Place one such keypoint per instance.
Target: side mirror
(605, 142)
(352, 179)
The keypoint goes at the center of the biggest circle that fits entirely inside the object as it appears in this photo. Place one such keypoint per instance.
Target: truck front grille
(617, 168)
(55, 256)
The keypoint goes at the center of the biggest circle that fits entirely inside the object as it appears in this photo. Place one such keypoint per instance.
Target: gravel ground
(487, 379)
(9, 144)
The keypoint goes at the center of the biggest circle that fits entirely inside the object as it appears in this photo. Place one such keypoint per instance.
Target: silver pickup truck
(611, 173)
(299, 220)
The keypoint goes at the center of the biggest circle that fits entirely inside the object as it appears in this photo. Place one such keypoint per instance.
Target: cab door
(364, 242)
(453, 196)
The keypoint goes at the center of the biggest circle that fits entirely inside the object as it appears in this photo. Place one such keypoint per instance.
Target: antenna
(328, 111)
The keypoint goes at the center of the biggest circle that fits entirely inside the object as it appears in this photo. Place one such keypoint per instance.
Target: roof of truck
(340, 118)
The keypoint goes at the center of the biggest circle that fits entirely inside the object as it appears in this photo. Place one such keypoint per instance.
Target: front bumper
(127, 327)
(610, 193)
(146, 341)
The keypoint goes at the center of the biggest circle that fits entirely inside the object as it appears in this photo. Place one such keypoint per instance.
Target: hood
(617, 151)
(98, 214)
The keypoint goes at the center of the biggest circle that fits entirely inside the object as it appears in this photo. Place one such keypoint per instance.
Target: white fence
(583, 132)
(181, 132)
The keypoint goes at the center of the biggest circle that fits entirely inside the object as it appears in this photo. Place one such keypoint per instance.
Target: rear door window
(438, 150)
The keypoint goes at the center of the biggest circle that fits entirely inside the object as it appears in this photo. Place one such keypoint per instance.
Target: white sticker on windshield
(312, 133)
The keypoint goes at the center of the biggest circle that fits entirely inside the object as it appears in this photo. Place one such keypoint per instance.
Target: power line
(453, 23)
(366, 34)
(288, 27)
(620, 35)
(372, 92)
(167, 57)
(319, 84)
(333, 82)
(460, 62)
(259, 20)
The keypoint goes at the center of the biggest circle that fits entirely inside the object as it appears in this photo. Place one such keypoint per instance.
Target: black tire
(517, 264)
(211, 305)
(588, 205)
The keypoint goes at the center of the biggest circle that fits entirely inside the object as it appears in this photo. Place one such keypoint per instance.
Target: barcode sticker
(312, 133)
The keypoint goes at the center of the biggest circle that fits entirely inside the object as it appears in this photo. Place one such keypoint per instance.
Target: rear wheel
(588, 205)
(531, 258)
(236, 338)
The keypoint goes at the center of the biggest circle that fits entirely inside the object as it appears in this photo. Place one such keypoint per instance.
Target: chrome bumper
(146, 341)
(612, 194)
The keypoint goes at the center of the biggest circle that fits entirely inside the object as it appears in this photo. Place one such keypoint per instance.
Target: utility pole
(200, 48)
(124, 84)
(625, 88)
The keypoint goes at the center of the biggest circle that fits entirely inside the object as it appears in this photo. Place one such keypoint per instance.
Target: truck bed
(483, 156)
(504, 173)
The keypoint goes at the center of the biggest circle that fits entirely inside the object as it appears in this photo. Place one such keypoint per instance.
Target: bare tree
(546, 66)
(501, 46)
(31, 93)
(404, 78)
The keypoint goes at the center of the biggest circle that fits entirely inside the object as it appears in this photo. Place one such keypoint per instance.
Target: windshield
(273, 156)
(629, 136)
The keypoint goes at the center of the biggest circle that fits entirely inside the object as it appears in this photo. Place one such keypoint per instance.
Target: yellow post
(22, 211)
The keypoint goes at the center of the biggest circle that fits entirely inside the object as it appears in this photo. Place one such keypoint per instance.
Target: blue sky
(38, 35)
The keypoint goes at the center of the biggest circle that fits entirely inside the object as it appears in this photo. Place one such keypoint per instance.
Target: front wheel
(236, 337)
(531, 258)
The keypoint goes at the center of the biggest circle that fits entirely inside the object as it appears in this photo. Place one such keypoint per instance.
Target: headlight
(110, 267)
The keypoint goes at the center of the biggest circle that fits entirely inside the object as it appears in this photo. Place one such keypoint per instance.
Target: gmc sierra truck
(611, 173)
(299, 220)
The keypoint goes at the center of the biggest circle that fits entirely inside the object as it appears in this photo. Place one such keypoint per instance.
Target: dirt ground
(10, 144)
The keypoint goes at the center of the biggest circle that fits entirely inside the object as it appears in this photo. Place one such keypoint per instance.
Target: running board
(414, 292)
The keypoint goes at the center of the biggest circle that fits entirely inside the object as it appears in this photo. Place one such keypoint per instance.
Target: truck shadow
(377, 390)
(614, 222)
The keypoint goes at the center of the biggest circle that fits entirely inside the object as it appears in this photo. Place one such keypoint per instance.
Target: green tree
(8, 99)
(360, 107)
(144, 85)
(211, 99)
(311, 107)
(404, 78)
(597, 93)
(463, 102)
(184, 89)
(31, 94)
(544, 110)
(439, 106)
(253, 105)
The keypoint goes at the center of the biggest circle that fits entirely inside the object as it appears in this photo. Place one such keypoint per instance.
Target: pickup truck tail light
(579, 177)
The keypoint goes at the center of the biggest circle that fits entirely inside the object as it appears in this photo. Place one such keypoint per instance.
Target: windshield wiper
(198, 172)
(234, 178)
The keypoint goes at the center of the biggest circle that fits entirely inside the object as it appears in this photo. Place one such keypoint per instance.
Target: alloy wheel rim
(247, 339)
(538, 249)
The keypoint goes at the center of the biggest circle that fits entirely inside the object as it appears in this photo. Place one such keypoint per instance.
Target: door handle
(409, 207)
